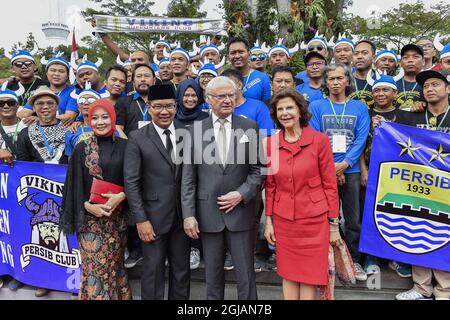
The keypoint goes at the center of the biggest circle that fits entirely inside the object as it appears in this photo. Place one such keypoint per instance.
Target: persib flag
(407, 207)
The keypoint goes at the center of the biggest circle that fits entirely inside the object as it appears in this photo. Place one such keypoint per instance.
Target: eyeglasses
(86, 100)
(27, 64)
(207, 76)
(10, 103)
(261, 56)
(42, 104)
(315, 64)
(223, 97)
(427, 46)
(159, 108)
(317, 48)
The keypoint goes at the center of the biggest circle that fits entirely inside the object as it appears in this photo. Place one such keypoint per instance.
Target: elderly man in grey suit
(152, 184)
(222, 172)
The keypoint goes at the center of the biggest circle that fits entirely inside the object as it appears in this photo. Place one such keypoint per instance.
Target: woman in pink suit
(301, 197)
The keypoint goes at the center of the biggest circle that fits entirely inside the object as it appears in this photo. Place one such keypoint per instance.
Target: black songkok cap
(161, 92)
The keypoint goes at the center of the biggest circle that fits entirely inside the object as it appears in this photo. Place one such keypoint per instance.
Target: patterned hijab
(108, 107)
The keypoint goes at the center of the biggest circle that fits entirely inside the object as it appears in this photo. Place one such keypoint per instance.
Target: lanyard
(14, 138)
(28, 90)
(50, 149)
(359, 91)
(404, 89)
(335, 115)
(246, 81)
(440, 123)
(144, 113)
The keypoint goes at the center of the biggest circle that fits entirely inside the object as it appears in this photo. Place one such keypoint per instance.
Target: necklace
(389, 109)
(431, 124)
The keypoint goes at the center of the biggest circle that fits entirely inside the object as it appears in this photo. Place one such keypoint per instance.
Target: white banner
(39, 183)
(67, 260)
(107, 24)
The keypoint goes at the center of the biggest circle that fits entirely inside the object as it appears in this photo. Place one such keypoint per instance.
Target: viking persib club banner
(407, 208)
(33, 249)
(109, 24)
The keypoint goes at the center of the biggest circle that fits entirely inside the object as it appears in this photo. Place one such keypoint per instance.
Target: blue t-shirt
(154, 67)
(257, 111)
(303, 76)
(257, 86)
(355, 127)
(309, 93)
(64, 99)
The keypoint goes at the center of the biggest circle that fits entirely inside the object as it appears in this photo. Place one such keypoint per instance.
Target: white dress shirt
(227, 124)
(163, 136)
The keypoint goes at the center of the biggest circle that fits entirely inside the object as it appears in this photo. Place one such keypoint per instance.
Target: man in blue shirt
(256, 83)
(315, 66)
(57, 71)
(251, 109)
(317, 44)
(347, 123)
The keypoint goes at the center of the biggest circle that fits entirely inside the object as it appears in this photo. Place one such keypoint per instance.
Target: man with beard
(131, 111)
(57, 70)
(363, 57)
(409, 91)
(24, 68)
(256, 83)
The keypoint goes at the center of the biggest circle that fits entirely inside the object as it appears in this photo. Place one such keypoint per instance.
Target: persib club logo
(412, 210)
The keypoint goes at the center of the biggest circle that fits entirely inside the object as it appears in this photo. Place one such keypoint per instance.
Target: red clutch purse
(100, 187)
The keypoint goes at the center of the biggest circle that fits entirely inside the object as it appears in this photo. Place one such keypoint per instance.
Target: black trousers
(176, 247)
(241, 246)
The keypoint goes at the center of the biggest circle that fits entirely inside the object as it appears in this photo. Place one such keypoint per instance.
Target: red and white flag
(73, 58)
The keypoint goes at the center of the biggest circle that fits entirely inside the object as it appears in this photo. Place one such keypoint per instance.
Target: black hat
(411, 46)
(314, 54)
(161, 92)
(430, 74)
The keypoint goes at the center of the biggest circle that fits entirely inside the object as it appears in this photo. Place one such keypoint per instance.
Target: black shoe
(272, 262)
(228, 265)
(134, 258)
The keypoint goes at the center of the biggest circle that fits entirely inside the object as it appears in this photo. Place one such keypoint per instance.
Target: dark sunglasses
(25, 63)
(10, 103)
(318, 48)
(261, 56)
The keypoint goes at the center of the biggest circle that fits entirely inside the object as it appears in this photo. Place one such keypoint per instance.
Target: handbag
(100, 187)
(345, 269)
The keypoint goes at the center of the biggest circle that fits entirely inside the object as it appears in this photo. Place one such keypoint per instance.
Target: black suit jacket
(152, 180)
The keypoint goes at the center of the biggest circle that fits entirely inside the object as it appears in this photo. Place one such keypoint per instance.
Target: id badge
(339, 144)
(142, 124)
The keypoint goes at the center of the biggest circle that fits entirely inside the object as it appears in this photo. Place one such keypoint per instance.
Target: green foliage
(404, 24)
(237, 13)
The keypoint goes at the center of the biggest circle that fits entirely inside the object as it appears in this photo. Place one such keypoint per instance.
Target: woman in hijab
(190, 100)
(92, 207)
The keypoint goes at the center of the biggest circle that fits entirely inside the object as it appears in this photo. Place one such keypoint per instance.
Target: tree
(404, 24)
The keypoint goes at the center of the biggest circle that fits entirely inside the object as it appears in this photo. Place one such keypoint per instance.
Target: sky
(33, 13)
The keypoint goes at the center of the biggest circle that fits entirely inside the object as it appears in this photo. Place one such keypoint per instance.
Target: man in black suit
(222, 173)
(152, 185)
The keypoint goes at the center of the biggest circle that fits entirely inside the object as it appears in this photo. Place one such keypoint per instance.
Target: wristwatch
(333, 220)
